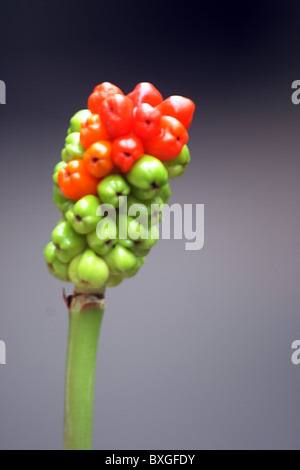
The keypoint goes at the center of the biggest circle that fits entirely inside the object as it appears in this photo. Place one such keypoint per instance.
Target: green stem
(86, 313)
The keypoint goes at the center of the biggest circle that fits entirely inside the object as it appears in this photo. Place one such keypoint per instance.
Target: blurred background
(195, 352)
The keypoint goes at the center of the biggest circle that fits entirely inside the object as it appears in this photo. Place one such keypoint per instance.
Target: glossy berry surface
(98, 158)
(100, 93)
(126, 151)
(75, 181)
(92, 131)
(116, 112)
(146, 121)
(178, 107)
(112, 183)
(145, 92)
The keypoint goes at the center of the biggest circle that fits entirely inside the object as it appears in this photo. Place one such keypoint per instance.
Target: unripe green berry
(142, 246)
(88, 271)
(62, 203)
(134, 231)
(178, 165)
(101, 247)
(144, 194)
(59, 166)
(114, 280)
(136, 268)
(55, 266)
(165, 193)
(152, 207)
(73, 148)
(78, 118)
(83, 216)
(68, 243)
(111, 188)
(120, 260)
(147, 173)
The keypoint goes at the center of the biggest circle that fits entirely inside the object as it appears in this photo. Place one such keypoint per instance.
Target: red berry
(101, 92)
(146, 121)
(75, 181)
(125, 151)
(107, 88)
(116, 112)
(145, 93)
(168, 144)
(178, 107)
(92, 131)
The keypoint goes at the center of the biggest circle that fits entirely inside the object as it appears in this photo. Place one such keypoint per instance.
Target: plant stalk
(85, 318)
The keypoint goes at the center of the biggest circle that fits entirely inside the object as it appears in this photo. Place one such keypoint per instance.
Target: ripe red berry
(145, 93)
(125, 151)
(168, 144)
(92, 131)
(75, 181)
(99, 94)
(116, 111)
(178, 107)
(107, 88)
(146, 121)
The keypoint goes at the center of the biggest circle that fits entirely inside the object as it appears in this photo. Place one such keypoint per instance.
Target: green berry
(135, 270)
(78, 118)
(178, 165)
(59, 166)
(165, 193)
(62, 203)
(140, 209)
(73, 148)
(133, 230)
(114, 280)
(147, 173)
(72, 270)
(144, 194)
(120, 260)
(83, 216)
(88, 271)
(101, 247)
(55, 266)
(142, 246)
(111, 188)
(68, 243)
(152, 207)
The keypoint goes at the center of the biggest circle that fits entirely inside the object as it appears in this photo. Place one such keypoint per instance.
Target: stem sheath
(85, 315)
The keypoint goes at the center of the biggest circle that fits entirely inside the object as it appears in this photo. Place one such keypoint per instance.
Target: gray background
(195, 351)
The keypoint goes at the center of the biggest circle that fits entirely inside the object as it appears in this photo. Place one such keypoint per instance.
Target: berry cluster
(120, 146)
